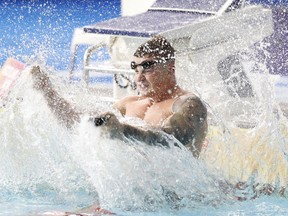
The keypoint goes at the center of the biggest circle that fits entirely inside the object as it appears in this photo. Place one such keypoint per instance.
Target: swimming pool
(44, 167)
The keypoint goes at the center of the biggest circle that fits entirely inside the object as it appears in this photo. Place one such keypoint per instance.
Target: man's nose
(140, 74)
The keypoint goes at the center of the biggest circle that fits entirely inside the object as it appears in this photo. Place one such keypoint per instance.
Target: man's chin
(146, 92)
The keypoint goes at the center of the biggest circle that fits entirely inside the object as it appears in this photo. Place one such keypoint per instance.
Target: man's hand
(40, 78)
(110, 124)
(62, 109)
(98, 121)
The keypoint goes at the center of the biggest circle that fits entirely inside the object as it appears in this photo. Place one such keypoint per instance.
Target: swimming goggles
(145, 64)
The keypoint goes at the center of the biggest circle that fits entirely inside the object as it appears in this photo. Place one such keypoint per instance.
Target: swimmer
(161, 102)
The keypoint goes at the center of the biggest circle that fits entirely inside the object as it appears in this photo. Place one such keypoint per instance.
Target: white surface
(133, 7)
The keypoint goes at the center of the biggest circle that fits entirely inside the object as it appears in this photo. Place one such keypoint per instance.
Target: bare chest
(152, 113)
(158, 113)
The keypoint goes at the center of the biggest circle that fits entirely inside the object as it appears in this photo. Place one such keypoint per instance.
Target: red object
(9, 73)
(103, 211)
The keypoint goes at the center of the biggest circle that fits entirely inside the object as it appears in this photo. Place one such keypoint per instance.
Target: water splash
(35, 163)
(251, 144)
(45, 160)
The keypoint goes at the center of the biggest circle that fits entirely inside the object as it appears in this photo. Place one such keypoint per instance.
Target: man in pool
(161, 103)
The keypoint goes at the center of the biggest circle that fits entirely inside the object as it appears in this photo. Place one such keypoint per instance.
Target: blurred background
(44, 28)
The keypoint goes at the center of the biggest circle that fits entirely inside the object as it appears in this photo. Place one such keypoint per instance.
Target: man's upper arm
(193, 110)
(189, 120)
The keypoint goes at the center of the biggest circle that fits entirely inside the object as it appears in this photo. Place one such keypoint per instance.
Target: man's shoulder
(190, 101)
(188, 98)
(189, 95)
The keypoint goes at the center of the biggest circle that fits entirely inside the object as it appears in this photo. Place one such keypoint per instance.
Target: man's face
(151, 76)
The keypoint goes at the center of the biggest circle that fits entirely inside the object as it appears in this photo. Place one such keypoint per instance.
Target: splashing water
(46, 167)
(249, 144)
(35, 163)
(43, 160)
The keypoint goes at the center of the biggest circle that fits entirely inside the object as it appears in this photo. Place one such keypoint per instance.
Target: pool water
(45, 167)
